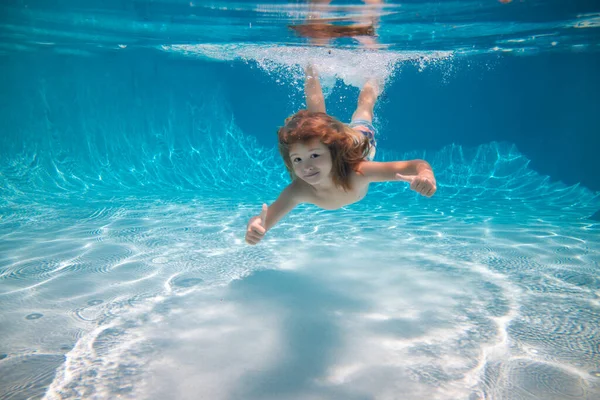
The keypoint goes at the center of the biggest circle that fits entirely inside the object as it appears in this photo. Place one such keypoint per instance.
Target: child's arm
(260, 224)
(315, 101)
(417, 172)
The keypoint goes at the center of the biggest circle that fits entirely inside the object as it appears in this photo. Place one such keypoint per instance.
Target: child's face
(311, 161)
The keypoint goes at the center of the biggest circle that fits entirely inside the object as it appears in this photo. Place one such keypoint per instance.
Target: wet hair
(346, 151)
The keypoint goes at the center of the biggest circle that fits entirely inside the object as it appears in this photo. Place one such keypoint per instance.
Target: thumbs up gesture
(422, 183)
(257, 227)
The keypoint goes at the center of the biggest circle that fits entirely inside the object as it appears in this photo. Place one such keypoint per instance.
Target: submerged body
(330, 163)
(313, 183)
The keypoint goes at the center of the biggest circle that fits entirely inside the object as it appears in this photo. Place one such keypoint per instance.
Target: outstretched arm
(269, 216)
(315, 101)
(416, 172)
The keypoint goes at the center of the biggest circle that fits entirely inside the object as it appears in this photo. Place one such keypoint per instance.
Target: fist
(424, 184)
(256, 227)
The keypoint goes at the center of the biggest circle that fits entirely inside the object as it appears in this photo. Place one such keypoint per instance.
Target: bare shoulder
(301, 191)
(365, 169)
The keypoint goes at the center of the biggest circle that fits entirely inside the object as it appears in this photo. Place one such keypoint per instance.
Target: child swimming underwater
(331, 163)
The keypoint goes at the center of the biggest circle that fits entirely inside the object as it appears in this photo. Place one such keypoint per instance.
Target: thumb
(405, 178)
(263, 215)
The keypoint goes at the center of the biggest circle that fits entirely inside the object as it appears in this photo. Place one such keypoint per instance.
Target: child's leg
(366, 101)
(362, 119)
(312, 89)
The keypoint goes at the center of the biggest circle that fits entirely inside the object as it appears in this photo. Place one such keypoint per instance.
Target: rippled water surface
(124, 201)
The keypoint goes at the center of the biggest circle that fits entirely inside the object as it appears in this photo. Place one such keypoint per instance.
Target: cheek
(325, 161)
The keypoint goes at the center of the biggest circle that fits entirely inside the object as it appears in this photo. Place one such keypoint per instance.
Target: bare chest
(334, 199)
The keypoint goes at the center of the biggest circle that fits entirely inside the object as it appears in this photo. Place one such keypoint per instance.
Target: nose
(308, 167)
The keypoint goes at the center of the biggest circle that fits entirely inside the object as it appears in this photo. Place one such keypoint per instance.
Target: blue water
(137, 139)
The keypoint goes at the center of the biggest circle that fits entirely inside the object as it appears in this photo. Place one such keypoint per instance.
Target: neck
(326, 184)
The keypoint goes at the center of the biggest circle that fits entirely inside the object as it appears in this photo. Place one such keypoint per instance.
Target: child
(330, 163)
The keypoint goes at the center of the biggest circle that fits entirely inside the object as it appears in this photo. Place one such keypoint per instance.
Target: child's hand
(256, 227)
(423, 183)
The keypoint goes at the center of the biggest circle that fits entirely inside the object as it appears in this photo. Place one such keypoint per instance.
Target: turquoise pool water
(138, 139)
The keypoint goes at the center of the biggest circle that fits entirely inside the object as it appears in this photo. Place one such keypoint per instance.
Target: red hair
(346, 152)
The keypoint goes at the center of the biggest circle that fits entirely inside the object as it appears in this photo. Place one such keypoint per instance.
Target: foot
(372, 88)
(310, 71)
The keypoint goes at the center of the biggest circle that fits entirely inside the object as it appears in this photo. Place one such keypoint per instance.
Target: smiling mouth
(311, 175)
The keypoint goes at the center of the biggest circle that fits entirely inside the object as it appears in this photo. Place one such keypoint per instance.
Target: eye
(315, 155)
(296, 160)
